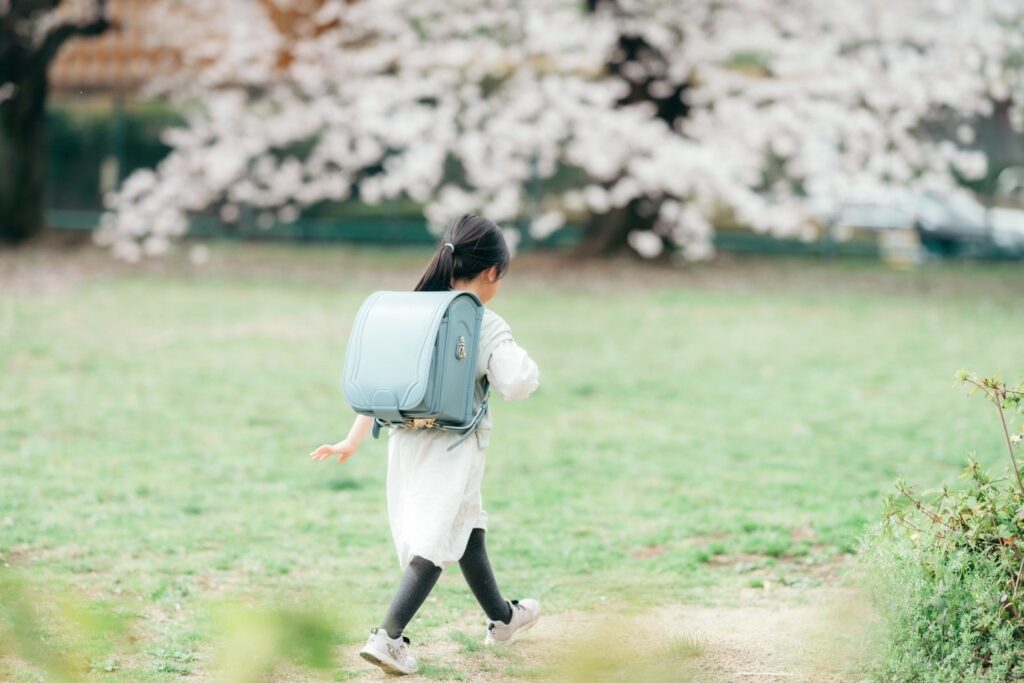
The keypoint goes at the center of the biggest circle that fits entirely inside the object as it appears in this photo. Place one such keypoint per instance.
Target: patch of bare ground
(819, 635)
(815, 568)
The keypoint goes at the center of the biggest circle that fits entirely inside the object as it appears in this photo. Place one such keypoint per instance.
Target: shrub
(947, 569)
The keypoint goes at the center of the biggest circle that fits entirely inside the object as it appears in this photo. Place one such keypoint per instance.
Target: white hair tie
(450, 246)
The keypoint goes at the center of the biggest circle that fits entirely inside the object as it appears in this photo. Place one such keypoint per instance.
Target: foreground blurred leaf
(252, 641)
(59, 634)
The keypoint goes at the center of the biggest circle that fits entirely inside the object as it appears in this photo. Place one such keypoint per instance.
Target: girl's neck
(464, 286)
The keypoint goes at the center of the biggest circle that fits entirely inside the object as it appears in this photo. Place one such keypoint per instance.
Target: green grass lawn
(688, 439)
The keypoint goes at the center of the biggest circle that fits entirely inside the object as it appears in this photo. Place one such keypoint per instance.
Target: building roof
(117, 61)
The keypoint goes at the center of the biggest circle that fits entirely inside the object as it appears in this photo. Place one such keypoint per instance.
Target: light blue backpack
(411, 361)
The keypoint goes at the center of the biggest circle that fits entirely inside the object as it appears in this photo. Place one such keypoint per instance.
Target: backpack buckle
(421, 423)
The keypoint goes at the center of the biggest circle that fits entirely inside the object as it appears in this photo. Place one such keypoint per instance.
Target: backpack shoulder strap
(475, 422)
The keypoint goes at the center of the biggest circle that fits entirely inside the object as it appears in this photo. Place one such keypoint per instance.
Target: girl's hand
(345, 448)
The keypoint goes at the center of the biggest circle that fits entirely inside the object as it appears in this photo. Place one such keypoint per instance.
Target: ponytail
(470, 245)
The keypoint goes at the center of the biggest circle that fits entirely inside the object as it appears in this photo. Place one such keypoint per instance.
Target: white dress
(434, 499)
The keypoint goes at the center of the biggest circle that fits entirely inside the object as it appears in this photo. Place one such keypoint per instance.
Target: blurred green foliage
(82, 134)
(252, 641)
(55, 632)
(68, 639)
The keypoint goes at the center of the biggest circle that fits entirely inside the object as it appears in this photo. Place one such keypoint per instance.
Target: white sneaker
(390, 654)
(524, 616)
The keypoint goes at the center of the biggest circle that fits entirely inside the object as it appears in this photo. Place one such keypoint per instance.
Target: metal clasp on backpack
(460, 350)
(421, 423)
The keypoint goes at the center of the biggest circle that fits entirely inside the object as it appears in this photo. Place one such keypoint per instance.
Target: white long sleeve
(511, 372)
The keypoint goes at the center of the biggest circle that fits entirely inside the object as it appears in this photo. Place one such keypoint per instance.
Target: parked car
(951, 226)
(944, 226)
(1006, 210)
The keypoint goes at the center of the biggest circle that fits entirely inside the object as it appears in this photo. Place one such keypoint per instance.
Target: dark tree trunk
(24, 65)
(606, 233)
(23, 159)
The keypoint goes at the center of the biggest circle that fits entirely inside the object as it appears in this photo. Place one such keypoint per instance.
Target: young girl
(434, 502)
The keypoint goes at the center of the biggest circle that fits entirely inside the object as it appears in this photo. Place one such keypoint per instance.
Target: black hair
(476, 245)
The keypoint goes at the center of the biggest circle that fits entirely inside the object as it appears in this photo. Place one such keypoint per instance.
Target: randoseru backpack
(411, 361)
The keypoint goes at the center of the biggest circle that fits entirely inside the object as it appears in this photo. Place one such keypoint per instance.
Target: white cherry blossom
(462, 106)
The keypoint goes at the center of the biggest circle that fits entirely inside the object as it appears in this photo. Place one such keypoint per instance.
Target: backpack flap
(390, 352)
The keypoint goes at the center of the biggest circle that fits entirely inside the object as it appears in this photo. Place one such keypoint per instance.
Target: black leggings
(421, 575)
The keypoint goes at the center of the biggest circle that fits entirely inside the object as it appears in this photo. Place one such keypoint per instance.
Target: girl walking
(434, 503)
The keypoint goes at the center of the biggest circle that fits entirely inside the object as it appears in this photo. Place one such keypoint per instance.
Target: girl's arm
(347, 447)
(511, 372)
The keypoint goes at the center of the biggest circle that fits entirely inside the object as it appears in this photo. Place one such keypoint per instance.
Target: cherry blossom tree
(654, 119)
(32, 33)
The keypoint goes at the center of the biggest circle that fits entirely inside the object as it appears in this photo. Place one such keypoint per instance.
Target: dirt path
(816, 635)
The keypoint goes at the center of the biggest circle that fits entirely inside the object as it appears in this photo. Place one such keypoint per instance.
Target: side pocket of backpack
(437, 368)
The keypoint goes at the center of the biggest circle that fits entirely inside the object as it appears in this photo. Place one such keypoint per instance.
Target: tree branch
(56, 38)
(26, 8)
